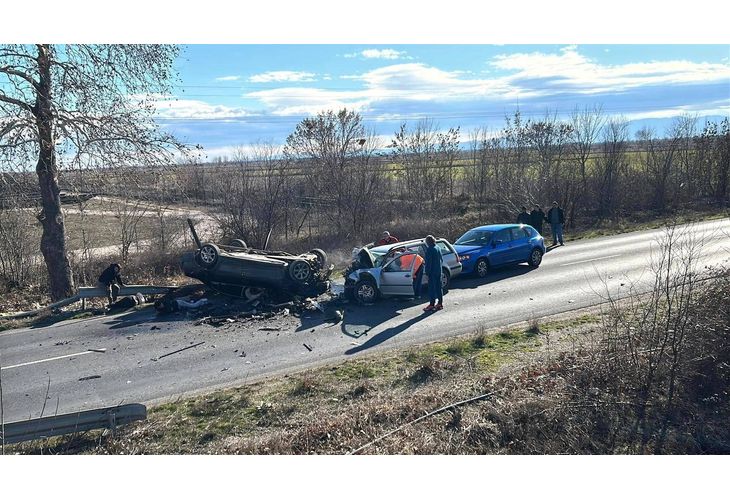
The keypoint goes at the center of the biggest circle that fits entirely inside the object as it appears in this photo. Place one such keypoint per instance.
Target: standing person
(556, 218)
(107, 281)
(387, 239)
(418, 276)
(432, 268)
(524, 217)
(537, 217)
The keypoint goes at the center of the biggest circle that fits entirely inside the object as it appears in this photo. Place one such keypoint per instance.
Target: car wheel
(481, 268)
(238, 243)
(535, 257)
(445, 280)
(366, 292)
(321, 256)
(208, 255)
(300, 271)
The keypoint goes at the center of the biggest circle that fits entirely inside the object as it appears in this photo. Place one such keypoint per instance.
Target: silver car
(388, 270)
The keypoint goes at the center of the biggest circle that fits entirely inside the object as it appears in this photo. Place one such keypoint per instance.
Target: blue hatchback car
(495, 245)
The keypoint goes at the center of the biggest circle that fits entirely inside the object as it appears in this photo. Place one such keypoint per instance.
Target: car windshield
(378, 257)
(475, 237)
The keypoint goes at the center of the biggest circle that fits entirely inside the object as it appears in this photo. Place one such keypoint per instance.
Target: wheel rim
(207, 255)
(482, 268)
(536, 257)
(300, 271)
(444, 280)
(366, 291)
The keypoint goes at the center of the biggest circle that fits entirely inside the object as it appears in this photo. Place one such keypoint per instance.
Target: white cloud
(572, 71)
(298, 100)
(379, 54)
(282, 76)
(231, 78)
(193, 109)
(523, 76)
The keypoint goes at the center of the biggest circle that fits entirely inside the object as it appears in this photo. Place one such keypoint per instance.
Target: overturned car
(238, 270)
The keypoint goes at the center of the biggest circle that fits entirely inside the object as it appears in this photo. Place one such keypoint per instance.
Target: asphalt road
(110, 360)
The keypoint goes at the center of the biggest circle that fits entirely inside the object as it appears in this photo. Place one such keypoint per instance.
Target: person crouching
(111, 282)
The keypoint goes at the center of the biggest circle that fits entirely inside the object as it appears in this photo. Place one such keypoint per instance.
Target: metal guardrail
(69, 423)
(86, 292)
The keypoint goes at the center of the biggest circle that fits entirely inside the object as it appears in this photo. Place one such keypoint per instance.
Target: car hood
(462, 249)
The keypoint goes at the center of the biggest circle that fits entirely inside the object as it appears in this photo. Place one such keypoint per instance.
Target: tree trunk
(53, 240)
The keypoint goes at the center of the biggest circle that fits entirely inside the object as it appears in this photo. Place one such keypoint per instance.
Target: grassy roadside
(642, 221)
(332, 409)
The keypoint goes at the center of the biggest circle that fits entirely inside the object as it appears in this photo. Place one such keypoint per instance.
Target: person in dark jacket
(537, 217)
(432, 269)
(556, 218)
(524, 217)
(111, 281)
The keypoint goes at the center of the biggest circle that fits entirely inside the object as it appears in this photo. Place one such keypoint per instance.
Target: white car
(388, 269)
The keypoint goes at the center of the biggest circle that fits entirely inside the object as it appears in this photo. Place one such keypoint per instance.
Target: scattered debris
(90, 377)
(175, 352)
(101, 350)
(270, 328)
(308, 348)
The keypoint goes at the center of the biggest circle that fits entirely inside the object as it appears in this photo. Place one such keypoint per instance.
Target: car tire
(321, 256)
(299, 271)
(238, 243)
(445, 280)
(535, 258)
(208, 255)
(481, 268)
(366, 291)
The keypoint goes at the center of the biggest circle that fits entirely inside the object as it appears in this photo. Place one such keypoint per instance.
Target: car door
(520, 244)
(397, 275)
(501, 247)
(451, 259)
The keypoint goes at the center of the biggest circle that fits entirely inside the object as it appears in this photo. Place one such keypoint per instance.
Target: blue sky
(235, 95)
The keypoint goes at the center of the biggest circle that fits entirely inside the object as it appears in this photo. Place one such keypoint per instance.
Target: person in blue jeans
(556, 218)
(432, 269)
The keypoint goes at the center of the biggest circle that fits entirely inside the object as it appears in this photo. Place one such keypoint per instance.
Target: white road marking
(50, 359)
(590, 260)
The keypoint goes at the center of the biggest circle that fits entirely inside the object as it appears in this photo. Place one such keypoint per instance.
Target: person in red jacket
(387, 239)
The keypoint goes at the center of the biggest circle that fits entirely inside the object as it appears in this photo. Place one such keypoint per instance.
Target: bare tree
(92, 103)
(586, 129)
(339, 153)
(611, 163)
